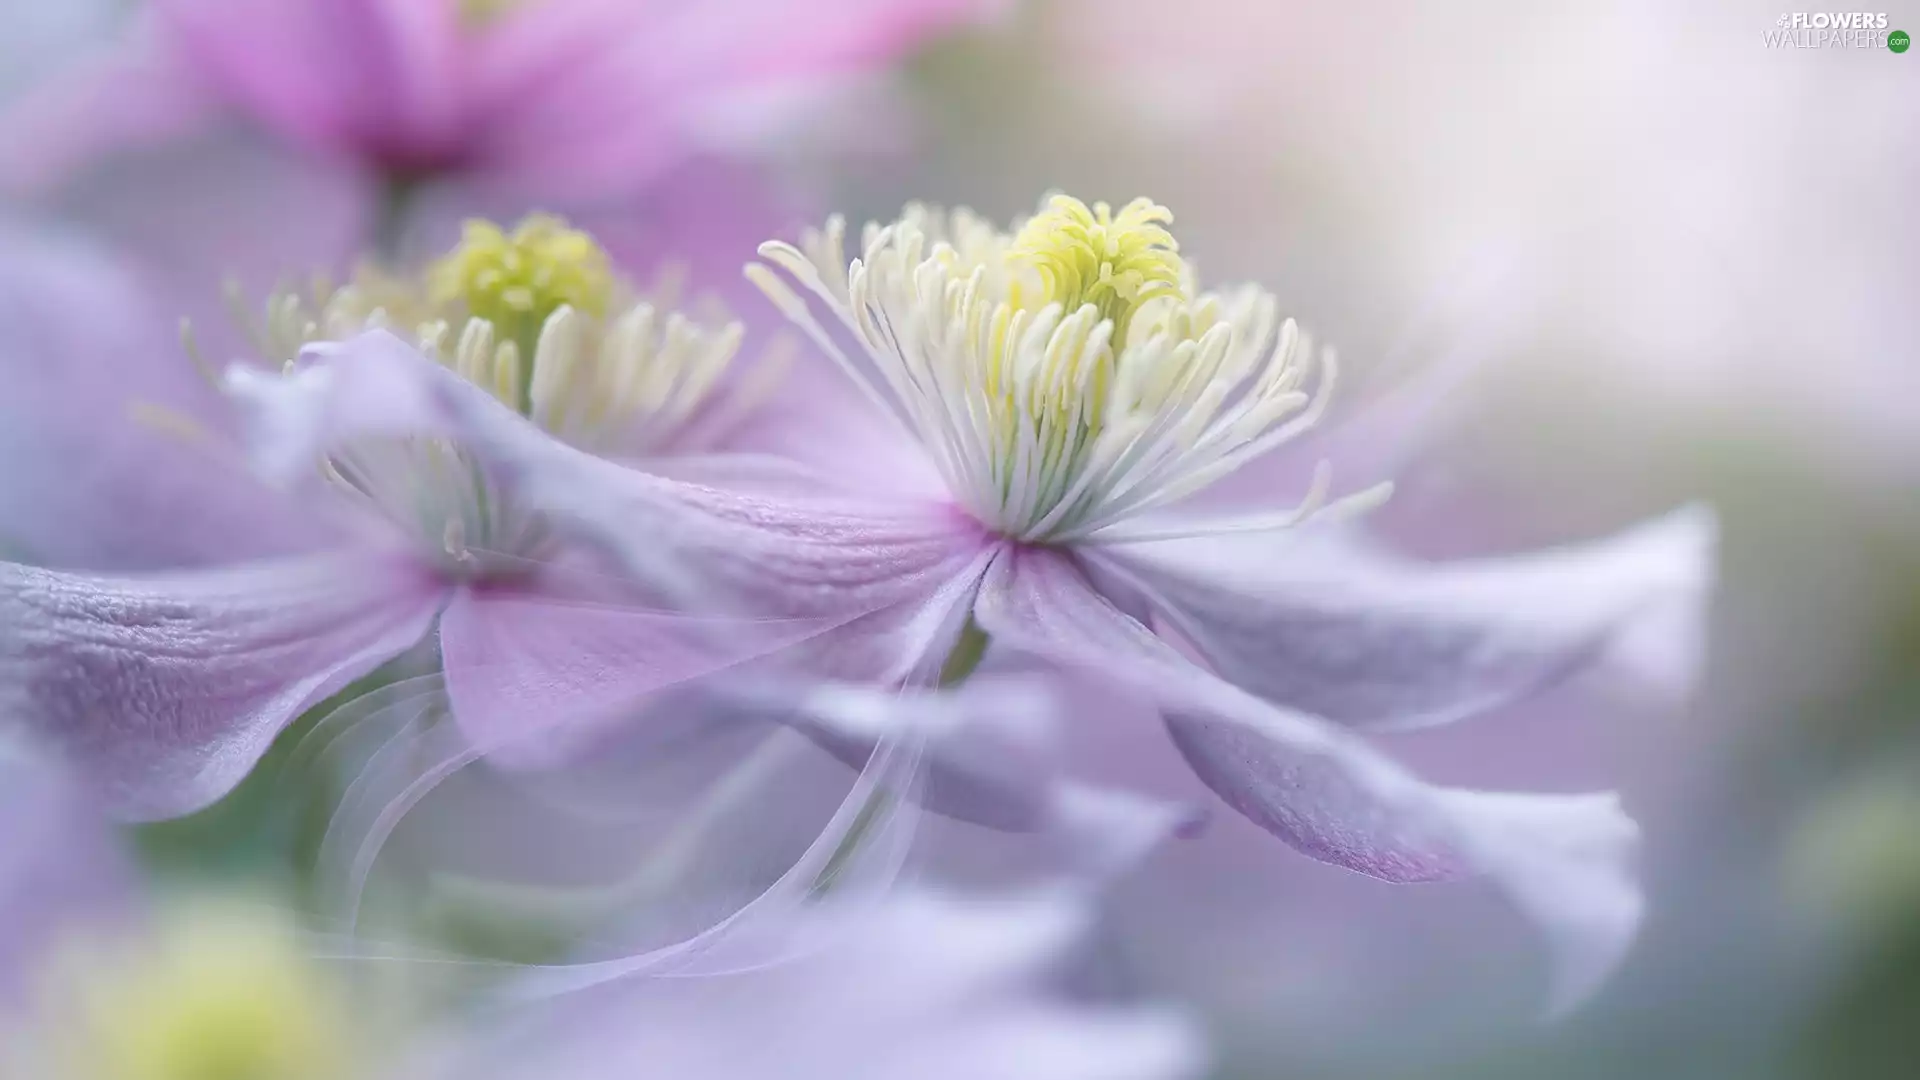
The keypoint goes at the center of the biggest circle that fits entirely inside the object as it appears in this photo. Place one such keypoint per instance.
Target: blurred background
(1652, 256)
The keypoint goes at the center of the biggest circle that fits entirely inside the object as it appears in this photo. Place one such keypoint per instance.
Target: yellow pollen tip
(1079, 256)
(516, 281)
(477, 13)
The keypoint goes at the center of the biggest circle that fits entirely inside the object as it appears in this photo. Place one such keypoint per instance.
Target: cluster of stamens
(1067, 376)
(537, 317)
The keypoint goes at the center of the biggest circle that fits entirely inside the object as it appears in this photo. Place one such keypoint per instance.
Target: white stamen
(1053, 424)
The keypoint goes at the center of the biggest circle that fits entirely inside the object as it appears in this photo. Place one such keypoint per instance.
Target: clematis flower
(167, 686)
(573, 98)
(133, 986)
(1050, 398)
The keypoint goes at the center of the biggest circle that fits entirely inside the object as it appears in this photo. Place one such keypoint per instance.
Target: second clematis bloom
(166, 687)
(1048, 398)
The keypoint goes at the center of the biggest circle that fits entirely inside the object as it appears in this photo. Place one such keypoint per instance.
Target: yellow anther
(477, 13)
(515, 281)
(1076, 256)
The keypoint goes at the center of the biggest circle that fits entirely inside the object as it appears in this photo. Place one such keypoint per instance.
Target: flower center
(1066, 377)
(516, 281)
(222, 994)
(538, 318)
(1083, 256)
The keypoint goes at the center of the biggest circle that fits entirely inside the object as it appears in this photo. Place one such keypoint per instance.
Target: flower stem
(397, 196)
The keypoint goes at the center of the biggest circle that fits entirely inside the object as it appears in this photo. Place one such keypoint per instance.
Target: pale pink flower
(1048, 401)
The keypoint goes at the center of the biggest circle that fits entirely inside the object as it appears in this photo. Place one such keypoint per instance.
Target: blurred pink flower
(1051, 528)
(574, 99)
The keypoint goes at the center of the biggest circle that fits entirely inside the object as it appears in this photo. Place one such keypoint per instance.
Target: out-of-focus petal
(358, 75)
(196, 215)
(596, 96)
(61, 870)
(1356, 635)
(287, 65)
(165, 690)
(991, 756)
(914, 986)
(816, 555)
(119, 95)
(1562, 859)
(117, 450)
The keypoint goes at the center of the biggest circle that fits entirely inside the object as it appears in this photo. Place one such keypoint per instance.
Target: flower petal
(365, 76)
(916, 985)
(814, 555)
(537, 678)
(1562, 859)
(593, 98)
(115, 95)
(62, 869)
(1356, 635)
(165, 690)
(990, 755)
(116, 449)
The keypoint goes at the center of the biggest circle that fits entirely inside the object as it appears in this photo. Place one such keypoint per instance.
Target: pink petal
(418, 110)
(117, 448)
(603, 96)
(1562, 859)
(291, 65)
(1317, 621)
(369, 78)
(165, 690)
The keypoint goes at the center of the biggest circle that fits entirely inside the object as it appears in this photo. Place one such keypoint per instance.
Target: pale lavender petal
(1346, 631)
(60, 869)
(990, 755)
(538, 678)
(866, 562)
(1103, 833)
(541, 681)
(118, 450)
(165, 690)
(197, 214)
(994, 756)
(916, 986)
(1562, 859)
